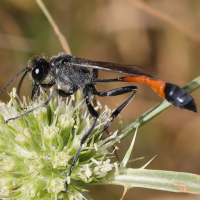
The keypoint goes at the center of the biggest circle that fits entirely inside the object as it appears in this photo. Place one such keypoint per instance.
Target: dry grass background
(164, 35)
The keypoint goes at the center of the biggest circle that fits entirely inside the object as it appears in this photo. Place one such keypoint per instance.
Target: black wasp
(70, 73)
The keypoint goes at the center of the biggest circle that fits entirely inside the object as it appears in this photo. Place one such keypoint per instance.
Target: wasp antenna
(26, 70)
(21, 80)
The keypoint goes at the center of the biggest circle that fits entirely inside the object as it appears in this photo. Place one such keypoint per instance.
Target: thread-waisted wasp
(71, 73)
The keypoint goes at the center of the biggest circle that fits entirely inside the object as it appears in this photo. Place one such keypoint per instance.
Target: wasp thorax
(40, 69)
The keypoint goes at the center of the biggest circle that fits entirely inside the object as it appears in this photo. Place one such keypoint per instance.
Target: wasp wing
(132, 70)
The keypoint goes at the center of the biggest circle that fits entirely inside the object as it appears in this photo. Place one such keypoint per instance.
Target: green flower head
(36, 150)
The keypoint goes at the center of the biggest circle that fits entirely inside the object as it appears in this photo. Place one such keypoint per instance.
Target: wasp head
(40, 69)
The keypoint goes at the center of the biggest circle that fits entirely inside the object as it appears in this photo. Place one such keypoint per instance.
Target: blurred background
(163, 35)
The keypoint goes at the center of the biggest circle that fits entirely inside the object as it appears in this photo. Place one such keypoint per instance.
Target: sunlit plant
(37, 149)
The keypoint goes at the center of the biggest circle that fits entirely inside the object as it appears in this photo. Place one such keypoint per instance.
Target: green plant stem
(159, 108)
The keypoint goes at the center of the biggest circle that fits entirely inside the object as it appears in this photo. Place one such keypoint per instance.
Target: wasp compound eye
(40, 69)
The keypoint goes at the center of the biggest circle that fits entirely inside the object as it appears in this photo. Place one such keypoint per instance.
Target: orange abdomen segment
(155, 84)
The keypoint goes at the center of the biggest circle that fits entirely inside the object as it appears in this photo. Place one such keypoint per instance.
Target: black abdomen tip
(179, 97)
(191, 105)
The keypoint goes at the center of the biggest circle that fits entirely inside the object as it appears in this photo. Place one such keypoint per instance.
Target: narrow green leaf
(128, 153)
(155, 179)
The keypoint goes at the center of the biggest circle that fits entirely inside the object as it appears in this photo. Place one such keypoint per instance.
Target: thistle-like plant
(37, 149)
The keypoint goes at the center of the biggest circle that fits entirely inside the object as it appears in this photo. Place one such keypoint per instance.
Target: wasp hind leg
(116, 92)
